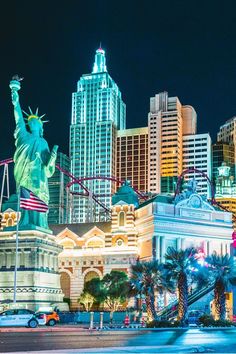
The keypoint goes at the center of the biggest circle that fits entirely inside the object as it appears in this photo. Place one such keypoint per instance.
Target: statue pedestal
(38, 280)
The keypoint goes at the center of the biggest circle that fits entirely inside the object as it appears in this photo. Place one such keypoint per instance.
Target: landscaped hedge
(162, 324)
(208, 321)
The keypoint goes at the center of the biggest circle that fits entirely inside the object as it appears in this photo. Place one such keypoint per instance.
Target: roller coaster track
(79, 181)
(203, 174)
(88, 193)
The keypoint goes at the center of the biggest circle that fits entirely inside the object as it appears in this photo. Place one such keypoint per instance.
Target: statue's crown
(35, 115)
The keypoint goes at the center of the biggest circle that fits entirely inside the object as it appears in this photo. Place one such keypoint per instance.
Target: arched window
(90, 275)
(122, 218)
(9, 222)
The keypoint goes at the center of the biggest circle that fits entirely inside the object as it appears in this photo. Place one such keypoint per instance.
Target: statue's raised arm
(15, 87)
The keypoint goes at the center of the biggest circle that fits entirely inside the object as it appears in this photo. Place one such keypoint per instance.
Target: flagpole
(16, 251)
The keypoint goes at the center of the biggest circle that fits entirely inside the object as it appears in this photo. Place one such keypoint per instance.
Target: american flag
(29, 201)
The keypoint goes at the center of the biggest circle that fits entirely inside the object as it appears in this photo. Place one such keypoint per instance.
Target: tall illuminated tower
(168, 122)
(132, 157)
(97, 113)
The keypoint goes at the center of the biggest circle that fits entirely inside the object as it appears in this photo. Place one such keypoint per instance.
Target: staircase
(172, 309)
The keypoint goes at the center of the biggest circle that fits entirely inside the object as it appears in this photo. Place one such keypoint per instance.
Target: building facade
(197, 154)
(98, 111)
(58, 203)
(222, 153)
(132, 157)
(38, 279)
(139, 231)
(225, 190)
(168, 121)
(227, 134)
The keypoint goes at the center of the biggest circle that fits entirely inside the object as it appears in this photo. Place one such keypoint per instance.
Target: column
(157, 244)
(208, 248)
(163, 248)
(179, 243)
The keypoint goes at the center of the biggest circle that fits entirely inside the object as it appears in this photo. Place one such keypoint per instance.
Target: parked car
(52, 317)
(21, 317)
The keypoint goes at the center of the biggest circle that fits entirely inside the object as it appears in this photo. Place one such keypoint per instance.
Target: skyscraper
(97, 113)
(222, 152)
(197, 154)
(225, 190)
(132, 157)
(58, 212)
(227, 134)
(168, 121)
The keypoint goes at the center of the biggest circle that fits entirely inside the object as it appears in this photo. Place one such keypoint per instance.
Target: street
(131, 341)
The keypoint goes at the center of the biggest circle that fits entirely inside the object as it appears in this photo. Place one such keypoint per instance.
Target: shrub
(162, 324)
(208, 321)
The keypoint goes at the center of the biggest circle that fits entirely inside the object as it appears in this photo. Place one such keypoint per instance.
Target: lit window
(122, 219)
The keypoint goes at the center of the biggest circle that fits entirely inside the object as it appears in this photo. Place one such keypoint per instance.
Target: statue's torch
(15, 83)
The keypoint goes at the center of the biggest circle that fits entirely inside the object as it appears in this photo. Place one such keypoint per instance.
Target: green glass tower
(97, 113)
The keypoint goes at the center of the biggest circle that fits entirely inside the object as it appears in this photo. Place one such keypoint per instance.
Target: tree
(223, 272)
(180, 265)
(87, 300)
(93, 287)
(115, 289)
(146, 278)
(112, 290)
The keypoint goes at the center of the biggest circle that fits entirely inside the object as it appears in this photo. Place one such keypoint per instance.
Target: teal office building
(98, 111)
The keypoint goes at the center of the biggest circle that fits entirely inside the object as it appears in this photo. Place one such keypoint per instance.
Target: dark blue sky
(187, 48)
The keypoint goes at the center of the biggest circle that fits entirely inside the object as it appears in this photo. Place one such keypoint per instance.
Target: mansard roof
(125, 195)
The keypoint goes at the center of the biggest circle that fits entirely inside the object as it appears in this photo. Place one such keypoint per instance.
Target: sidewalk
(84, 330)
(60, 328)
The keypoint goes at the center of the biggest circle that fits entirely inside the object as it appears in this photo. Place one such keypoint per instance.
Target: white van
(21, 317)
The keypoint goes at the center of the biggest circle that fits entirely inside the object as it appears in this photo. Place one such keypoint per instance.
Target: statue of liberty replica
(34, 163)
(32, 246)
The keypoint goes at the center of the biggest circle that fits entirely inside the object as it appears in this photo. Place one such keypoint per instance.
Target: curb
(107, 330)
(44, 329)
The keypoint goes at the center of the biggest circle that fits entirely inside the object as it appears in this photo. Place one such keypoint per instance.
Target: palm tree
(146, 278)
(180, 264)
(223, 272)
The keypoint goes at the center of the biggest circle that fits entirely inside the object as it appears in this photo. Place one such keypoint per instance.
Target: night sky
(187, 48)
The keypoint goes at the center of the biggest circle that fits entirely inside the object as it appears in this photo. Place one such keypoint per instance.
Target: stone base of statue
(38, 280)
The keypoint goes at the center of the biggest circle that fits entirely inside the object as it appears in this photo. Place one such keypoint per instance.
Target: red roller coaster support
(6, 162)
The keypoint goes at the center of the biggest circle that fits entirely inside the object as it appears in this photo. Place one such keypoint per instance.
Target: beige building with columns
(138, 231)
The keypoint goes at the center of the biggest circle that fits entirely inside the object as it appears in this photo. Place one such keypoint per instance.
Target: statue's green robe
(32, 169)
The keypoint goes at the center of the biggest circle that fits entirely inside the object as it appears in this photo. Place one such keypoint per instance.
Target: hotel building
(132, 157)
(97, 113)
(168, 121)
(197, 154)
(222, 152)
(227, 134)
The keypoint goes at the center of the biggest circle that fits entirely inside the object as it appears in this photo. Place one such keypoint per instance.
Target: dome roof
(125, 194)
